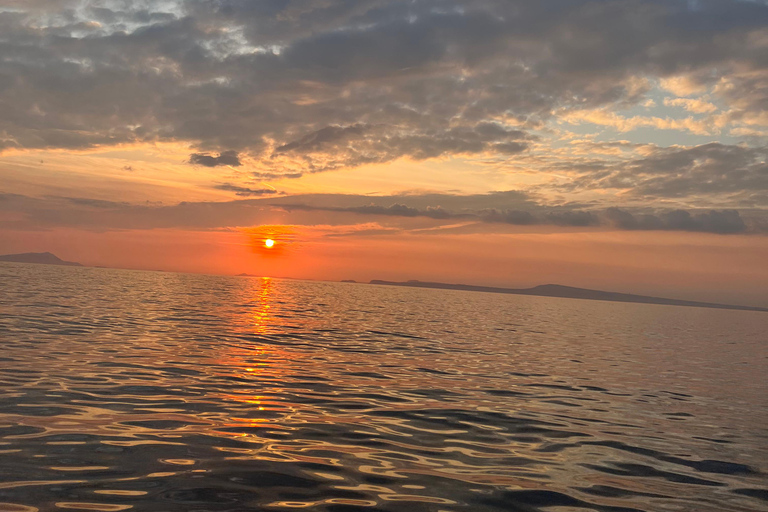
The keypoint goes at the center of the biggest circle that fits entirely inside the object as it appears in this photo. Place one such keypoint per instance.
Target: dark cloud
(276, 175)
(230, 158)
(571, 218)
(95, 203)
(721, 222)
(323, 137)
(297, 87)
(712, 221)
(310, 86)
(245, 191)
(397, 210)
(518, 217)
(335, 209)
(434, 205)
(333, 147)
(737, 172)
(558, 217)
(622, 219)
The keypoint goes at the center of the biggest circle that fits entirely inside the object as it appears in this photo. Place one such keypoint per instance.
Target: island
(41, 258)
(568, 292)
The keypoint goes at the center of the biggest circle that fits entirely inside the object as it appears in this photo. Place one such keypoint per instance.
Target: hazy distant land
(546, 290)
(45, 258)
(569, 292)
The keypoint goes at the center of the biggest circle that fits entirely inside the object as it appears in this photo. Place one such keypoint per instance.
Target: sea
(156, 391)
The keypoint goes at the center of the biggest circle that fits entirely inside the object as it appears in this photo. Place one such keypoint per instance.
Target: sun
(268, 243)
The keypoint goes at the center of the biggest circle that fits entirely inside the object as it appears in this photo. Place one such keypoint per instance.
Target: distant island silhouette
(546, 290)
(568, 292)
(44, 258)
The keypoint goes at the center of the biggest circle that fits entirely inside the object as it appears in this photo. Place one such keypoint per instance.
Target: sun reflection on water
(261, 317)
(278, 393)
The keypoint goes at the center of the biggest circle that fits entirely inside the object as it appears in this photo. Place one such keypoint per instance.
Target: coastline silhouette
(569, 292)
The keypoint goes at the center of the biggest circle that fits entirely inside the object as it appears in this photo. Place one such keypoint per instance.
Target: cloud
(517, 217)
(557, 217)
(333, 147)
(229, 158)
(302, 87)
(397, 210)
(707, 169)
(737, 174)
(435, 212)
(283, 89)
(95, 203)
(432, 205)
(682, 85)
(714, 221)
(245, 191)
(605, 117)
(571, 218)
(722, 222)
(693, 105)
(403, 212)
(323, 137)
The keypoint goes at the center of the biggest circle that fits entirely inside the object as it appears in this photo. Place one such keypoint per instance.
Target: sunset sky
(619, 145)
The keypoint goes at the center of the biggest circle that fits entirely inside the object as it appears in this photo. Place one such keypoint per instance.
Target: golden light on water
(268, 243)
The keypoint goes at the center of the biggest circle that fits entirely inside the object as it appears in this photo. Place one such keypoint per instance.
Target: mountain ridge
(39, 258)
(569, 292)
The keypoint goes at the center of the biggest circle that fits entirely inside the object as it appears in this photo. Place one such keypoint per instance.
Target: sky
(613, 144)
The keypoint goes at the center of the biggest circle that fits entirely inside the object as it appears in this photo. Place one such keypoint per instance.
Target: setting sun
(268, 243)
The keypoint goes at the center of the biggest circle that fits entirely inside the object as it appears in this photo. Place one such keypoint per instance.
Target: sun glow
(268, 243)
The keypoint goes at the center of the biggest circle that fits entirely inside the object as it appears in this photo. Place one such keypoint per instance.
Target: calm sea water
(127, 390)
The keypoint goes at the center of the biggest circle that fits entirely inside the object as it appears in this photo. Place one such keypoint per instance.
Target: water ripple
(123, 390)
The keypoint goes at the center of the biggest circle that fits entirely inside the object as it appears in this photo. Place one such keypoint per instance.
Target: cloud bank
(561, 92)
(25, 213)
(319, 85)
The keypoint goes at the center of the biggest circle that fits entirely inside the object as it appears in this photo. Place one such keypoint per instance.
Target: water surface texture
(127, 390)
